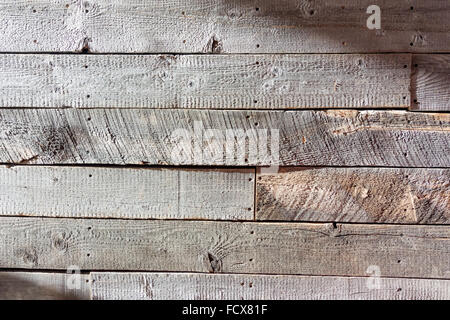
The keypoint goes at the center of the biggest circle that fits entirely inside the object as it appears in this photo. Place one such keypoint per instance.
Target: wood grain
(199, 137)
(44, 286)
(189, 286)
(225, 247)
(228, 26)
(205, 81)
(431, 82)
(127, 193)
(373, 195)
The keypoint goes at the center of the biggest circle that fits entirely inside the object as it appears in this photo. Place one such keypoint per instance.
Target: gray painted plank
(44, 286)
(236, 26)
(188, 286)
(205, 81)
(127, 193)
(431, 82)
(225, 247)
(373, 195)
(199, 137)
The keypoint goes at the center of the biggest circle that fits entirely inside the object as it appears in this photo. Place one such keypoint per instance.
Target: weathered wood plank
(44, 286)
(431, 82)
(373, 195)
(188, 286)
(325, 138)
(228, 247)
(236, 26)
(205, 81)
(127, 193)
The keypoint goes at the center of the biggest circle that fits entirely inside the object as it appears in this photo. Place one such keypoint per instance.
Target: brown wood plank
(363, 195)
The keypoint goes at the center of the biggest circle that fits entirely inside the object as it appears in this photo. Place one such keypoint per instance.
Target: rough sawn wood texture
(365, 195)
(225, 247)
(194, 137)
(205, 81)
(236, 26)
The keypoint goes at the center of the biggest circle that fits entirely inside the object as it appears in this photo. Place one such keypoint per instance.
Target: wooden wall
(108, 189)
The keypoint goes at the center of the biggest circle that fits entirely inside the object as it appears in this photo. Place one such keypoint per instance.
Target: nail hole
(412, 8)
(88, 119)
(257, 9)
(257, 45)
(87, 11)
(89, 228)
(399, 289)
(249, 209)
(90, 176)
(311, 12)
(250, 260)
(88, 96)
(259, 178)
(411, 44)
(245, 160)
(250, 284)
(405, 66)
(85, 67)
(399, 261)
(250, 179)
(416, 65)
(88, 254)
(34, 10)
(183, 13)
(252, 232)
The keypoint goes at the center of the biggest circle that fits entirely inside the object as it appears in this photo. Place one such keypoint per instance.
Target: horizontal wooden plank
(234, 26)
(205, 81)
(431, 82)
(214, 137)
(191, 286)
(127, 193)
(225, 247)
(44, 286)
(387, 195)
